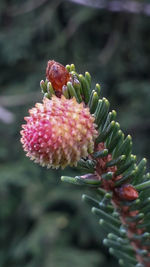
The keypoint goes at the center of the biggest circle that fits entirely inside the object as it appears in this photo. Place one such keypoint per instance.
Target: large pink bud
(58, 132)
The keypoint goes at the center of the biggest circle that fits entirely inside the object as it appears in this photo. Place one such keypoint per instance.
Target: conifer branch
(121, 178)
(74, 127)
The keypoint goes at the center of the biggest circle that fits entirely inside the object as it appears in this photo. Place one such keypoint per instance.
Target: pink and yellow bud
(58, 132)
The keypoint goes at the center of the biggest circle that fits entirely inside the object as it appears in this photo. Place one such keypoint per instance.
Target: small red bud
(126, 192)
(57, 74)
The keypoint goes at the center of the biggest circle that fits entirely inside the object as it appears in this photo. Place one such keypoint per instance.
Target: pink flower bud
(58, 132)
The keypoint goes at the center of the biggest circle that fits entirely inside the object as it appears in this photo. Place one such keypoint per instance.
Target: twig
(111, 5)
(117, 6)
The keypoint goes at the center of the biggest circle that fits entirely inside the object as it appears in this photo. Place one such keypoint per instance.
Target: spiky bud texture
(58, 132)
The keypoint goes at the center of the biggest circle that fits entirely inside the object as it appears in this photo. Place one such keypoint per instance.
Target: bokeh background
(43, 222)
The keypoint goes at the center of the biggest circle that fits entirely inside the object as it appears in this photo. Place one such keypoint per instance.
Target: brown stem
(125, 213)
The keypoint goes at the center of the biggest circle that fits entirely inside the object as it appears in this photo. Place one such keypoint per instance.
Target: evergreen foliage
(114, 47)
(120, 207)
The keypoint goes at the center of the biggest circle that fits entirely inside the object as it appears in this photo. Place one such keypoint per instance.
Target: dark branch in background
(117, 6)
(111, 5)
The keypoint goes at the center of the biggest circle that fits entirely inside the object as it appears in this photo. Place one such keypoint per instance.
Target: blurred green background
(43, 222)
